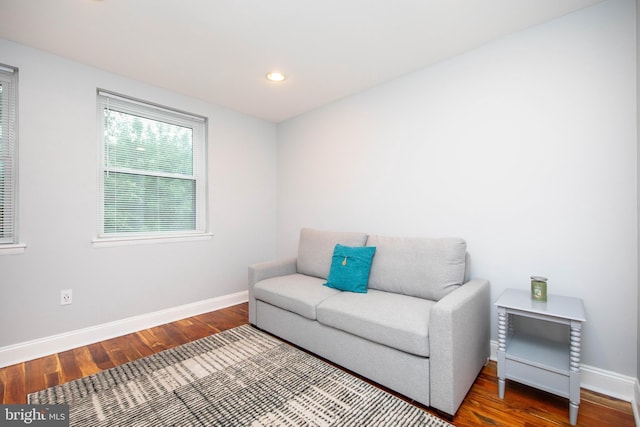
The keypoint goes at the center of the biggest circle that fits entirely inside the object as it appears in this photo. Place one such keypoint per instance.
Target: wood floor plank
(163, 337)
(175, 335)
(227, 319)
(127, 344)
(144, 349)
(42, 373)
(522, 406)
(85, 362)
(100, 356)
(194, 329)
(69, 367)
(116, 355)
(14, 384)
(151, 340)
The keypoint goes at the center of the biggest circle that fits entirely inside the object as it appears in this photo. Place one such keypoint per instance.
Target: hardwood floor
(522, 405)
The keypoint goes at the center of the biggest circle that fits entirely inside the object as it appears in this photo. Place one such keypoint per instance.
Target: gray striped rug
(239, 377)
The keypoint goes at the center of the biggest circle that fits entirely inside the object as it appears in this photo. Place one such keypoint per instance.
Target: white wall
(526, 147)
(58, 208)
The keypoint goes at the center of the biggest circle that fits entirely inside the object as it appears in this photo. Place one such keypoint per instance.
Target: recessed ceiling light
(276, 76)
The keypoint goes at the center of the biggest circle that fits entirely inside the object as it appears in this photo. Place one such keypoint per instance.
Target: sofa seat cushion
(395, 320)
(297, 293)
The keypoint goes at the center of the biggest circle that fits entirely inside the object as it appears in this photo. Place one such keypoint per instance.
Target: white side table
(546, 364)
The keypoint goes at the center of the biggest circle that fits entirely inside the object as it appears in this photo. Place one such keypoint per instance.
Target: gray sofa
(421, 329)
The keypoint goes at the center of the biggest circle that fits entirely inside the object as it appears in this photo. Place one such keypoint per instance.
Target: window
(8, 154)
(152, 170)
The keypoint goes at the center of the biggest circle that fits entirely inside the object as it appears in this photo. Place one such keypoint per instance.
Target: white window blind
(8, 154)
(153, 167)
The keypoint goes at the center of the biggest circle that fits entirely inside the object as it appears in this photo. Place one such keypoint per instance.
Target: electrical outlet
(66, 296)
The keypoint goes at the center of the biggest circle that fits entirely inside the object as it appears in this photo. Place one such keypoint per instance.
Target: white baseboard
(30, 350)
(599, 380)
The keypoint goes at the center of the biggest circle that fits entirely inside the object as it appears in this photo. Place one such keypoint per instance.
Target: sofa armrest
(267, 270)
(459, 343)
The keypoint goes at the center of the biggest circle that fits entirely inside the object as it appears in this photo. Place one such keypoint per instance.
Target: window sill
(13, 249)
(106, 242)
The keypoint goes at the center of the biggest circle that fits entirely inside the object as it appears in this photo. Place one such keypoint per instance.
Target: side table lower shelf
(539, 363)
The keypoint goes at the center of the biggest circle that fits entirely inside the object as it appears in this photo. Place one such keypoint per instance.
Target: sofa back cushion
(419, 267)
(315, 249)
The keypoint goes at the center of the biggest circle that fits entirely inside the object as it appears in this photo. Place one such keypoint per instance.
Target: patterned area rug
(239, 377)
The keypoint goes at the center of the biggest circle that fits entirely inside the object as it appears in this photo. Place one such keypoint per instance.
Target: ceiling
(219, 51)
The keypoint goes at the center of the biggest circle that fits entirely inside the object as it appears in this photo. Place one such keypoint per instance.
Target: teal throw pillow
(350, 268)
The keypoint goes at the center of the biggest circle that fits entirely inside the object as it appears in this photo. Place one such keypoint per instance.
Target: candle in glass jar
(539, 288)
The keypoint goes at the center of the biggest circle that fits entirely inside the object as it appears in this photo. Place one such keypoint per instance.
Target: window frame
(9, 234)
(156, 112)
